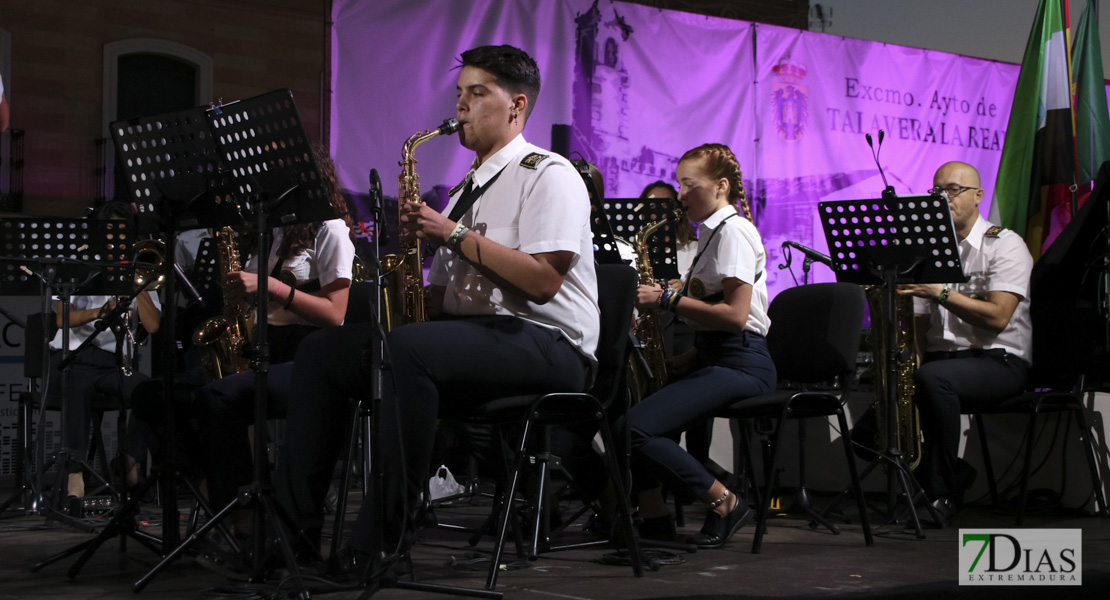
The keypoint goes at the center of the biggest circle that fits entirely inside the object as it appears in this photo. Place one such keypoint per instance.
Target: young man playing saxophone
(514, 280)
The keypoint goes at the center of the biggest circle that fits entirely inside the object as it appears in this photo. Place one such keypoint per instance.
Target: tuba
(648, 330)
(403, 291)
(907, 424)
(224, 337)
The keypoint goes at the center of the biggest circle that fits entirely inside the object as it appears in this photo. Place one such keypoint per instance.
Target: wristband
(672, 302)
(289, 300)
(944, 293)
(456, 235)
(668, 299)
(277, 292)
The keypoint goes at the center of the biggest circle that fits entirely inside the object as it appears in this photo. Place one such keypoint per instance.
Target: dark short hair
(511, 67)
(655, 184)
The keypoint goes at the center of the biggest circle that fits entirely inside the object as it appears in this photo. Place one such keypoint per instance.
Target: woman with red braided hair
(724, 298)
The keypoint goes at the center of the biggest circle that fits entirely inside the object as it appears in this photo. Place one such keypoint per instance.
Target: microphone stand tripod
(124, 522)
(375, 476)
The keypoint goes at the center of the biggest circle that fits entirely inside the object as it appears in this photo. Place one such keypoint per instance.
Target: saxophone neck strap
(470, 195)
(697, 257)
(312, 285)
(719, 296)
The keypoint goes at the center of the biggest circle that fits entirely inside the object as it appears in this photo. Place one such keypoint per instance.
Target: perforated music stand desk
(630, 215)
(886, 242)
(913, 235)
(76, 249)
(214, 165)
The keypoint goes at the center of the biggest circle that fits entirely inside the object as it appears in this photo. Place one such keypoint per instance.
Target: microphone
(810, 253)
(888, 190)
(377, 205)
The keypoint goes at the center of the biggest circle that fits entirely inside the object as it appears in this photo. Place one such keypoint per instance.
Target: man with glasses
(973, 339)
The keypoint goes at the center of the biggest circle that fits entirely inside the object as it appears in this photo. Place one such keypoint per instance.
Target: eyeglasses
(951, 189)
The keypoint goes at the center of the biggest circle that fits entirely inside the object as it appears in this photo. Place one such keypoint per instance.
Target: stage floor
(796, 562)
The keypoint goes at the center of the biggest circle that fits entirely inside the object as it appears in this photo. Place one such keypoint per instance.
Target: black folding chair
(814, 339)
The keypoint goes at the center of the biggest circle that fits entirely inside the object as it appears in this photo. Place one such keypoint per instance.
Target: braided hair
(720, 163)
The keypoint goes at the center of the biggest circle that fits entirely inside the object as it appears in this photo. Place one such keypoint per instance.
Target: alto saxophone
(648, 330)
(907, 423)
(224, 337)
(403, 292)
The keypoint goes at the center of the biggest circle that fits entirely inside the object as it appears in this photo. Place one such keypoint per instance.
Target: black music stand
(67, 255)
(254, 160)
(632, 214)
(891, 241)
(44, 257)
(171, 163)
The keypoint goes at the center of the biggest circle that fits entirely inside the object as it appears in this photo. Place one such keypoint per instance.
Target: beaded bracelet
(944, 293)
(456, 236)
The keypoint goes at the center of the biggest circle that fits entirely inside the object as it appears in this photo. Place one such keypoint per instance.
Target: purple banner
(631, 88)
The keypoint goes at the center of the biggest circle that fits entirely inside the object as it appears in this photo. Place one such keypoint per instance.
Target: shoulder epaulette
(533, 160)
(994, 232)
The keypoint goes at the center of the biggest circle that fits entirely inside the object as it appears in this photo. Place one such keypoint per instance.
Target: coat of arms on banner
(789, 100)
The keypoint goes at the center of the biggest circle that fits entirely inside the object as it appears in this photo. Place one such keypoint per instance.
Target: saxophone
(907, 424)
(648, 330)
(224, 337)
(403, 291)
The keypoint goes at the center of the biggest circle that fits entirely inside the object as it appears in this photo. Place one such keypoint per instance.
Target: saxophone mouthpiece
(449, 126)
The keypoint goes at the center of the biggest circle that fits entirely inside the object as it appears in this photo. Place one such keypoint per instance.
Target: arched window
(146, 76)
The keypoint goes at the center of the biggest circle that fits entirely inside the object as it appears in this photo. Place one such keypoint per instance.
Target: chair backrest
(815, 331)
(35, 342)
(616, 290)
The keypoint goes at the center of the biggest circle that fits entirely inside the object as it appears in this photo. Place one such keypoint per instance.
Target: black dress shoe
(945, 509)
(717, 530)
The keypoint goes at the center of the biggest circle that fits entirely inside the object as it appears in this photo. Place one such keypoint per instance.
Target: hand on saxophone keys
(425, 223)
(929, 291)
(647, 296)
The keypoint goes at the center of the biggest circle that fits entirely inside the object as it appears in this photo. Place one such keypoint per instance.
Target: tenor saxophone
(403, 291)
(648, 330)
(907, 431)
(224, 337)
